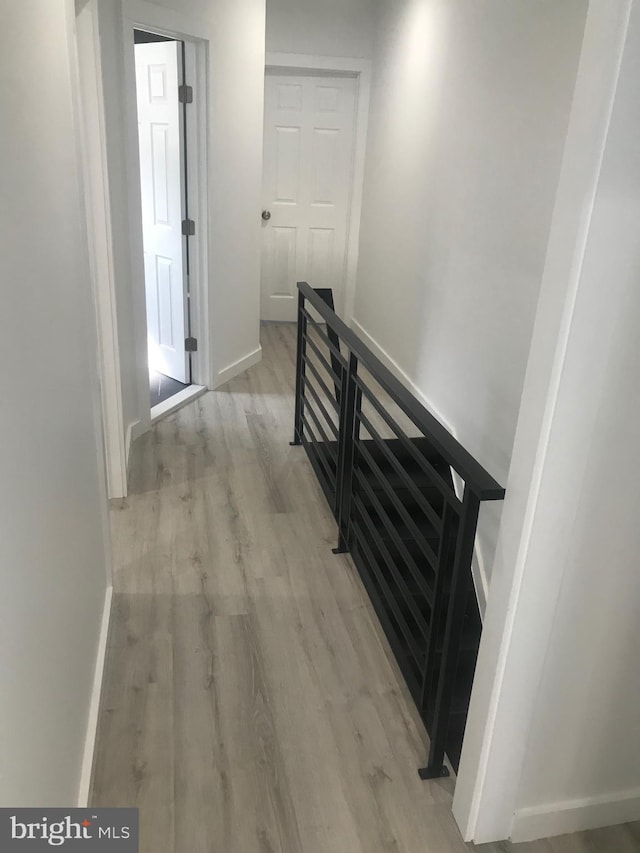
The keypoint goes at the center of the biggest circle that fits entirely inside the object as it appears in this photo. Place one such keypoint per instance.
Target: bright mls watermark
(80, 830)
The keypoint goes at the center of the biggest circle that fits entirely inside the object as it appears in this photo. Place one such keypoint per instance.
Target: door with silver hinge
(161, 95)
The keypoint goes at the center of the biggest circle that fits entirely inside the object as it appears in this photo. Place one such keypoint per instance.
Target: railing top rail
(476, 478)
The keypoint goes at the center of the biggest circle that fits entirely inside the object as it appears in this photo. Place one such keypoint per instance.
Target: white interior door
(308, 176)
(161, 175)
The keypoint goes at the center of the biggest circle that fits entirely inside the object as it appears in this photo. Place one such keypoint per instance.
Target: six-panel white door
(161, 185)
(308, 166)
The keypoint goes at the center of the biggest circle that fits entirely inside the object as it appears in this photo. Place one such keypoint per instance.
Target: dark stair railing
(398, 514)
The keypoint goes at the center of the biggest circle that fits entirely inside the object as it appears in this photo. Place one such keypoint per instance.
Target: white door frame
(97, 200)
(361, 69)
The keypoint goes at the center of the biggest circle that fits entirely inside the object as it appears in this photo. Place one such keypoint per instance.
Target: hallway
(250, 702)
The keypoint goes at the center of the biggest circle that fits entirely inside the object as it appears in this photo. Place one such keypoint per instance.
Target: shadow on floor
(162, 387)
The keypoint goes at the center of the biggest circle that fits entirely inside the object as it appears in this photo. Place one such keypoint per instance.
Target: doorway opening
(162, 99)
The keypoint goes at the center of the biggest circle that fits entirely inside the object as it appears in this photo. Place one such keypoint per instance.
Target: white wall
(52, 499)
(132, 352)
(469, 110)
(553, 732)
(234, 32)
(327, 28)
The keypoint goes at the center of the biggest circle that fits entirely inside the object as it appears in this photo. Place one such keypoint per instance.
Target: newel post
(300, 367)
(456, 601)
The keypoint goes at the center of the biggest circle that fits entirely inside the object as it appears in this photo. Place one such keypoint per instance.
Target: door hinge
(188, 227)
(185, 94)
(191, 345)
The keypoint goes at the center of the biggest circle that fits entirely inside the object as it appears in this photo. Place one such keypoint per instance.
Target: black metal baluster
(301, 354)
(445, 555)
(326, 294)
(342, 445)
(349, 431)
(460, 582)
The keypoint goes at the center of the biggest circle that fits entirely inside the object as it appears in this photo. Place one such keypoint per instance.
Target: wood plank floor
(251, 704)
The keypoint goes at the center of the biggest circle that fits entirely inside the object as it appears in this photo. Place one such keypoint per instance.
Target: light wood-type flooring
(251, 704)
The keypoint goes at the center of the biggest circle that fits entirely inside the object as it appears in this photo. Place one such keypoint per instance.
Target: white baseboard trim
(133, 431)
(127, 446)
(138, 428)
(94, 706)
(478, 569)
(237, 367)
(176, 402)
(576, 815)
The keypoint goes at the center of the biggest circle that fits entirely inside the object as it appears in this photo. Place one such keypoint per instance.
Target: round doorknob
(266, 215)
